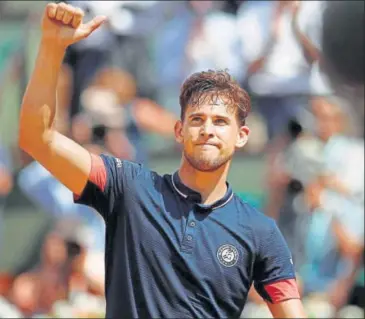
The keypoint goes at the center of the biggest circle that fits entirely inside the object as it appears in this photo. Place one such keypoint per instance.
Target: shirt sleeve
(274, 274)
(349, 213)
(106, 184)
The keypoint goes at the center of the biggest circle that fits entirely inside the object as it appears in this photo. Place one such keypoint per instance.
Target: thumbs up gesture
(63, 25)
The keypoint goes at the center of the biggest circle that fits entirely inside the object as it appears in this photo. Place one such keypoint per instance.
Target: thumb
(87, 28)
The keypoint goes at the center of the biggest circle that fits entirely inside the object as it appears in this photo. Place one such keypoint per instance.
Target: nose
(207, 129)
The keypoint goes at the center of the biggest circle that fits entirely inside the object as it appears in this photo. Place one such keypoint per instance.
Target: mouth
(207, 145)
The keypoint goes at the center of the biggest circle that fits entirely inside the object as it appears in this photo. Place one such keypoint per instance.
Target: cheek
(190, 134)
(228, 137)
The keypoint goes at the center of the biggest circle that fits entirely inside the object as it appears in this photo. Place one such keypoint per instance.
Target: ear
(242, 137)
(179, 132)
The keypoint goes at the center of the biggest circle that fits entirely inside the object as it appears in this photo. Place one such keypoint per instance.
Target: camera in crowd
(301, 160)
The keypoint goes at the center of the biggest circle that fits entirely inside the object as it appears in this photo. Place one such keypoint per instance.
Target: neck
(211, 185)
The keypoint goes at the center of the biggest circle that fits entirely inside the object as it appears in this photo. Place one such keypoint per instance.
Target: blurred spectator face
(329, 118)
(54, 250)
(119, 81)
(24, 293)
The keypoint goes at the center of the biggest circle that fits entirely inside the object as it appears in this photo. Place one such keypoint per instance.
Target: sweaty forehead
(217, 106)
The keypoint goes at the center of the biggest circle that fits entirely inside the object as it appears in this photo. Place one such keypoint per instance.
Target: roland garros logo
(227, 255)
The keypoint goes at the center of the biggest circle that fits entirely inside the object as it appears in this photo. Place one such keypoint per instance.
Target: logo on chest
(227, 255)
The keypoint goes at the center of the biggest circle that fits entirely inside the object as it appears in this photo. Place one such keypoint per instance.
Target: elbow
(30, 137)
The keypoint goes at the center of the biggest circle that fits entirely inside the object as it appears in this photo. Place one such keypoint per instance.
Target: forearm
(256, 65)
(292, 308)
(311, 53)
(333, 183)
(153, 118)
(39, 103)
(355, 264)
(350, 247)
(260, 62)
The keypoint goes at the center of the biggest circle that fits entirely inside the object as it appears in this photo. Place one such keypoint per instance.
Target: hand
(62, 25)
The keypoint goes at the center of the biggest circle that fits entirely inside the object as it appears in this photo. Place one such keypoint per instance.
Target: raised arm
(62, 25)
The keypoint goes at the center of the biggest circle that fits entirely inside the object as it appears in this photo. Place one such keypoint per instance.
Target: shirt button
(189, 238)
(192, 224)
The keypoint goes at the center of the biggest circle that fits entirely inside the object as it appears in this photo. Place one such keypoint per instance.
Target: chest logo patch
(227, 255)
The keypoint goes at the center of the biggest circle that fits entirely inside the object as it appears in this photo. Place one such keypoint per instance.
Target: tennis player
(181, 245)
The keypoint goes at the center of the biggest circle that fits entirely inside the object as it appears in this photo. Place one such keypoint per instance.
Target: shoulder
(122, 171)
(253, 218)
(264, 232)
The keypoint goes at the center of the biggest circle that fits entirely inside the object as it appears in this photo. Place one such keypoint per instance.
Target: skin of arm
(61, 26)
(311, 53)
(257, 64)
(292, 308)
(154, 118)
(352, 250)
(332, 182)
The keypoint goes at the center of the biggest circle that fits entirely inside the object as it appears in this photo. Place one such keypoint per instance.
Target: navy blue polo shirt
(169, 256)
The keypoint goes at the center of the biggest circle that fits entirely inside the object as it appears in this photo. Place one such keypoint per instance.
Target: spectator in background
(310, 32)
(120, 42)
(85, 59)
(123, 118)
(200, 36)
(61, 274)
(320, 207)
(336, 199)
(276, 69)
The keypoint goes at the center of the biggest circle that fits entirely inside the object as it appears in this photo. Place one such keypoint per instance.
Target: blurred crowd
(119, 88)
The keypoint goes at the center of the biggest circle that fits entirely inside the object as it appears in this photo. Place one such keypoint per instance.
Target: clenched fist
(62, 25)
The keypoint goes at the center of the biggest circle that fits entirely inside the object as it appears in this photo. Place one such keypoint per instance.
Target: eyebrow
(214, 115)
(195, 114)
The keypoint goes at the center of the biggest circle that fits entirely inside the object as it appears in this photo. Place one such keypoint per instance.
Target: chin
(206, 167)
(206, 164)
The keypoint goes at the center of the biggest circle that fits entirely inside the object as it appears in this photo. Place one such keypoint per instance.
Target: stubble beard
(205, 164)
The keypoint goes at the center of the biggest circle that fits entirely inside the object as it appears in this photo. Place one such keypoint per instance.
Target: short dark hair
(211, 85)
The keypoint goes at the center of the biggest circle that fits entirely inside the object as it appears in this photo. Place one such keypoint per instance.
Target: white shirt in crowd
(286, 71)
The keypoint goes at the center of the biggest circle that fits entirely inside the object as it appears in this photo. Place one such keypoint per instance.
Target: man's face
(210, 134)
(329, 118)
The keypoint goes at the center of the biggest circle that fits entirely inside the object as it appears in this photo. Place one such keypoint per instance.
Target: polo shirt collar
(188, 193)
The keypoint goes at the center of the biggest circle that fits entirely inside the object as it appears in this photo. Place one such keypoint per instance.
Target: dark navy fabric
(168, 256)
